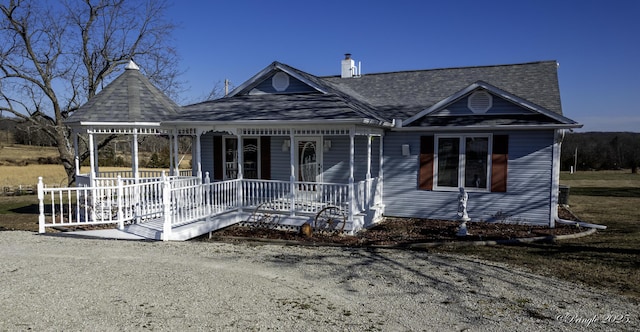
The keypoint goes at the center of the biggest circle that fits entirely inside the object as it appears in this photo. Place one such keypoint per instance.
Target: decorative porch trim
(140, 130)
(329, 131)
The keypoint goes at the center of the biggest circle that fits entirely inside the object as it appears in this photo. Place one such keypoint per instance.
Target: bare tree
(55, 56)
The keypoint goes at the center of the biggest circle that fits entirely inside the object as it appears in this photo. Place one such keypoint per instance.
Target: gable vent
(480, 102)
(280, 81)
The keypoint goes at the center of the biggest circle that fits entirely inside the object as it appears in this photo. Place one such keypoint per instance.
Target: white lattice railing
(178, 200)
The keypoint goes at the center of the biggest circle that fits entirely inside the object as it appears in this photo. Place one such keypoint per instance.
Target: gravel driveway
(61, 283)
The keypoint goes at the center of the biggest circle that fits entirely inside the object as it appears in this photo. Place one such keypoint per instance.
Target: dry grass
(14, 176)
(52, 175)
(610, 259)
(26, 152)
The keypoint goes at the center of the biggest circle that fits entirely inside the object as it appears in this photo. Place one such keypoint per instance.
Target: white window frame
(239, 146)
(462, 161)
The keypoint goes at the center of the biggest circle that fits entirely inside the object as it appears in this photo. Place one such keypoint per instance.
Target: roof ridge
(449, 68)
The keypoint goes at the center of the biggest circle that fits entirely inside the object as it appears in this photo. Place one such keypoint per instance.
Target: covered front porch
(181, 208)
(255, 162)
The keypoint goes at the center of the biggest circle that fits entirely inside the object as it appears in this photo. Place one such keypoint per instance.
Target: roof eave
(279, 123)
(116, 124)
(490, 128)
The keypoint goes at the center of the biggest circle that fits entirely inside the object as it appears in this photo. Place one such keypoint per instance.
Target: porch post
(351, 166)
(369, 137)
(292, 177)
(166, 204)
(199, 154)
(380, 185)
(119, 202)
(134, 152)
(176, 154)
(76, 154)
(240, 175)
(41, 217)
(367, 183)
(92, 162)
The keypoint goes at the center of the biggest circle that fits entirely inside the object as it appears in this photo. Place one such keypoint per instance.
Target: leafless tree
(54, 56)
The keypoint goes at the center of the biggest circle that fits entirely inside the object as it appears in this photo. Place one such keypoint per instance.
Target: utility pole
(575, 160)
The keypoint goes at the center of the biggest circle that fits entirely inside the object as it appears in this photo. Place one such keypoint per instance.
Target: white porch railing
(106, 178)
(178, 201)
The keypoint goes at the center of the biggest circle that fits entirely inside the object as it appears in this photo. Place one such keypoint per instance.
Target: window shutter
(218, 167)
(425, 175)
(265, 157)
(499, 159)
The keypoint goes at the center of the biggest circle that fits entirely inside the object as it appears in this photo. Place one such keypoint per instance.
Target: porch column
(367, 182)
(380, 174)
(176, 154)
(369, 137)
(352, 149)
(76, 154)
(240, 175)
(240, 158)
(92, 161)
(292, 177)
(199, 154)
(134, 154)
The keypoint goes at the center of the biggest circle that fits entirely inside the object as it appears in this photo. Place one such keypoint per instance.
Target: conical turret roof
(130, 98)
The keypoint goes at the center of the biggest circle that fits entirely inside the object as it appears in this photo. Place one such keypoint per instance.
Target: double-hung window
(462, 161)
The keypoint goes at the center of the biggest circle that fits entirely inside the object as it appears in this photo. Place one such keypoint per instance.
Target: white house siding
(280, 160)
(527, 199)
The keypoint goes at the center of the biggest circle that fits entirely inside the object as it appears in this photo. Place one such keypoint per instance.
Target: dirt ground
(404, 232)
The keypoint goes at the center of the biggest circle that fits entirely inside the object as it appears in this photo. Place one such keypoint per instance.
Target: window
(462, 162)
(250, 158)
(475, 162)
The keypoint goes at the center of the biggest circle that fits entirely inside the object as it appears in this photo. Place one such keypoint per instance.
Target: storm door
(309, 160)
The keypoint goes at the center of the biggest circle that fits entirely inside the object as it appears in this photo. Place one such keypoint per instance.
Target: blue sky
(597, 43)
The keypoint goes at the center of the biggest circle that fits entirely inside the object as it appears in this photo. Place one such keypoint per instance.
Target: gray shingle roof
(326, 104)
(374, 98)
(403, 94)
(272, 107)
(131, 97)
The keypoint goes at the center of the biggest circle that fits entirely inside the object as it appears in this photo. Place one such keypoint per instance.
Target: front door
(309, 160)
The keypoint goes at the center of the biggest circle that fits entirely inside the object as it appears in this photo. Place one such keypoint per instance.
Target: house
(290, 147)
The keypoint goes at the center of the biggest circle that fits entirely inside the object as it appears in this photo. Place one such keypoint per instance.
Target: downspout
(555, 187)
(555, 176)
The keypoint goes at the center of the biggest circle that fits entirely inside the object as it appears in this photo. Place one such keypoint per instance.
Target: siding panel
(526, 200)
(206, 146)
